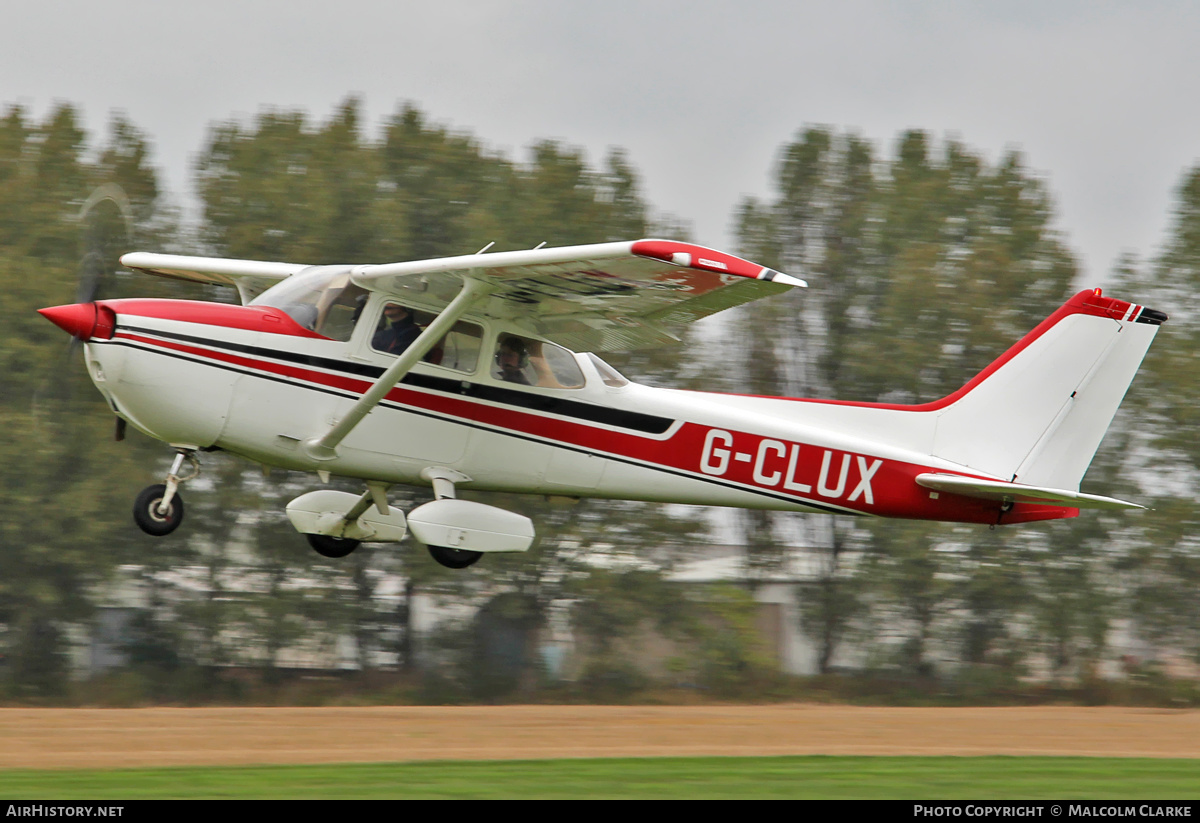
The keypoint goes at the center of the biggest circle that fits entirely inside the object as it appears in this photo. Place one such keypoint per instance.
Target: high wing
(250, 277)
(603, 297)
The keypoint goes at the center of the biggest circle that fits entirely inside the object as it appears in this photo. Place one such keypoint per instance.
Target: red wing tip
(691, 256)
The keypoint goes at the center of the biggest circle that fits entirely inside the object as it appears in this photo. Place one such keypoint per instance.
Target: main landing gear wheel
(327, 546)
(147, 515)
(454, 558)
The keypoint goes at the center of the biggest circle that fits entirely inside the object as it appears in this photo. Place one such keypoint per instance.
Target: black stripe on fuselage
(618, 418)
(305, 384)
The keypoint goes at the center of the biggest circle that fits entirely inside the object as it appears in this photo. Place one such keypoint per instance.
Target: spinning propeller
(99, 232)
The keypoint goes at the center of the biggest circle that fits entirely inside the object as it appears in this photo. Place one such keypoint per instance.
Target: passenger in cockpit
(399, 333)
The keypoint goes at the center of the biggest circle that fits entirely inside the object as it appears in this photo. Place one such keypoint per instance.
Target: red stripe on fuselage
(839, 479)
(335, 381)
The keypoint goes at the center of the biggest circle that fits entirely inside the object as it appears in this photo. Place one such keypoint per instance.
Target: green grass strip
(942, 778)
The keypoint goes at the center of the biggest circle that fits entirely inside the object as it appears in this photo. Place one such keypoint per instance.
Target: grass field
(926, 778)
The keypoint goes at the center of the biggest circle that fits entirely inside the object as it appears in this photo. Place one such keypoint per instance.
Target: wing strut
(324, 447)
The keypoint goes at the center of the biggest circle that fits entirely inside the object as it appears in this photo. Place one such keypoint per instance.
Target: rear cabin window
(608, 374)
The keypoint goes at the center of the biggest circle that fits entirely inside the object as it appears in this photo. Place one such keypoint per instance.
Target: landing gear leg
(158, 510)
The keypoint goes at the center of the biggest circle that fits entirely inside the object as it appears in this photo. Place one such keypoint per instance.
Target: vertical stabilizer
(1038, 413)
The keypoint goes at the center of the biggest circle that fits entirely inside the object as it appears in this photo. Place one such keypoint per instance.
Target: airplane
(482, 372)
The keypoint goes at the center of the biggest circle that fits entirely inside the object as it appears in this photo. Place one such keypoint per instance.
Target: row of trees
(924, 265)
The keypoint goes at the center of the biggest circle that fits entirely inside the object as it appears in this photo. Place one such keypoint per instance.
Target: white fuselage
(260, 394)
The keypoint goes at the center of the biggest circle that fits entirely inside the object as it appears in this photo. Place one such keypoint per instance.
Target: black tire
(454, 558)
(327, 546)
(145, 511)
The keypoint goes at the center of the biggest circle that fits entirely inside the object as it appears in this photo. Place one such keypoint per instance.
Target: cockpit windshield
(320, 298)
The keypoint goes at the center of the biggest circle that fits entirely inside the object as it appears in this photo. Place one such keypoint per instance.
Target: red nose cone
(81, 320)
(77, 319)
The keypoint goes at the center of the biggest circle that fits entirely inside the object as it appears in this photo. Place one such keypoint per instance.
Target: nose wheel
(148, 515)
(158, 510)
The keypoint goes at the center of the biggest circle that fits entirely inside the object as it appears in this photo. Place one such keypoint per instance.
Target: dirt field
(77, 738)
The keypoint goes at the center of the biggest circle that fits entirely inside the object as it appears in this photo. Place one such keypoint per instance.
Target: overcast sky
(1101, 97)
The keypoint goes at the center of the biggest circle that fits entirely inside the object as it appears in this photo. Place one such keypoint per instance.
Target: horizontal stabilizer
(1019, 493)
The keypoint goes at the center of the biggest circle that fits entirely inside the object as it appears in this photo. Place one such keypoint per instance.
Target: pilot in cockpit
(527, 361)
(512, 358)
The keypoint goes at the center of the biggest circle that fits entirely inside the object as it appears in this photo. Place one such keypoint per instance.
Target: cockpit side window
(400, 325)
(529, 362)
